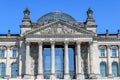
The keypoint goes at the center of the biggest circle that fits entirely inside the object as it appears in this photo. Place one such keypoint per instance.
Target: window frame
(116, 48)
(102, 47)
(105, 69)
(13, 53)
(113, 70)
(3, 55)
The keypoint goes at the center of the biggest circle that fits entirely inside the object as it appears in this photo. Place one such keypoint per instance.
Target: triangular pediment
(58, 27)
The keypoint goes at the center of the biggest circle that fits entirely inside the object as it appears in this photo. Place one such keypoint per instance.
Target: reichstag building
(59, 47)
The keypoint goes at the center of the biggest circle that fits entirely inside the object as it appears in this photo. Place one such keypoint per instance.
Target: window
(102, 52)
(2, 70)
(71, 61)
(59, 66)
(47, 61)
(103, 69)
(114, 54)
(115, 69)
(14, 53)
(2, 53)
(14, 70)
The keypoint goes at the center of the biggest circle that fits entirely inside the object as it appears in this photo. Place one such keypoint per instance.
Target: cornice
(8, 39)
(59, 36)
(77, 28)
(106, 39)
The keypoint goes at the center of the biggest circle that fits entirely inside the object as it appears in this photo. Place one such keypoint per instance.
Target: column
(91, 60)
(119, 59)
(28, 61)
(20, 53)
(53, 60)
(79, 73)
(109, 69)
(8, 69)
(88, 60)
(40, 61)
(66, 61)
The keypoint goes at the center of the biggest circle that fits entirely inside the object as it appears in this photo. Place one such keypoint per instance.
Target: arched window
(2, 70)
(115, 69)
(103, 69)
(14, 70)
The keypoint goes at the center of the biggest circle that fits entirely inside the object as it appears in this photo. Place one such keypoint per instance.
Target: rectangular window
(102, 52)
(114, 52)
(14, 54)
(2, 53)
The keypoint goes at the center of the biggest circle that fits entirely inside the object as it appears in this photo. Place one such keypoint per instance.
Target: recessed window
(115, 69)
(14, 53)
(102, 52)
(2, 53)
(103, 72)
(114, 52)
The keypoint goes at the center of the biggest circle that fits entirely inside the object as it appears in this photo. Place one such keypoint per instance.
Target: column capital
(66, 42)
(52, 42)
(78, 42)
(108, 46)
(40, 42)
(90, 42)
(27, 43)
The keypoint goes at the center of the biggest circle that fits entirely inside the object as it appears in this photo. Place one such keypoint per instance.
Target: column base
(19, 76)
(7, 76)
(79, 76)
(40, 76)
(28, 76)
(92, 76)
(66, 76)
(52, 76)
(110, 76)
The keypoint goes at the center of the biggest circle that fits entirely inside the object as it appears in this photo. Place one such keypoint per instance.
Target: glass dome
(54, 16)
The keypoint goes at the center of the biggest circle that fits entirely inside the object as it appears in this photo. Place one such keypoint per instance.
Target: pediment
(58, 27)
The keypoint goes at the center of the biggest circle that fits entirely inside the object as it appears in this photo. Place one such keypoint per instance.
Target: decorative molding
(27, 43)
(52, 42)
(40, 42)
(59, 26)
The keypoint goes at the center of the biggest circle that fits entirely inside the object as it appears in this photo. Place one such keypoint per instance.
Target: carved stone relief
(58, 29)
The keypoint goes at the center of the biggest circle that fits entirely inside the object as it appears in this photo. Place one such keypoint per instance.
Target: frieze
(106, 39)
(8, 39)
(59, 36)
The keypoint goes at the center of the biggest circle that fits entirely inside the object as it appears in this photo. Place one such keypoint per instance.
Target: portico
(53, 44)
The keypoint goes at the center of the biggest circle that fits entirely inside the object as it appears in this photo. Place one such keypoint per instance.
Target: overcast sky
(106, 12)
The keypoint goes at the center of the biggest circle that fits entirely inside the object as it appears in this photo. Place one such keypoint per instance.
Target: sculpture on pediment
(58, 29)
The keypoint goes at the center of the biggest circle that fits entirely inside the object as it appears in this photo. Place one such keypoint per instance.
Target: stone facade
(60, 31)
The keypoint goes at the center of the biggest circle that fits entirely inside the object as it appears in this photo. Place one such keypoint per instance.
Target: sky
(106, 12)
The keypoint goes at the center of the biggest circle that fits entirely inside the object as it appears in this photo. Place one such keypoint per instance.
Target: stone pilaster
(53, 60)
(28, 61)
(40, 61)
(91, 60)
(109, 69)
(66, 61)
(119, 59)
(8, 69)
(88, 60)
(79, 72)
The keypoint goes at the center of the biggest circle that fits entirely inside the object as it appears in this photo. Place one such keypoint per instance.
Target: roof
(54, 16)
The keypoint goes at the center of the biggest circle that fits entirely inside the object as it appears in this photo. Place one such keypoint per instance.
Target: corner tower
(26, 22)
(90, 22)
